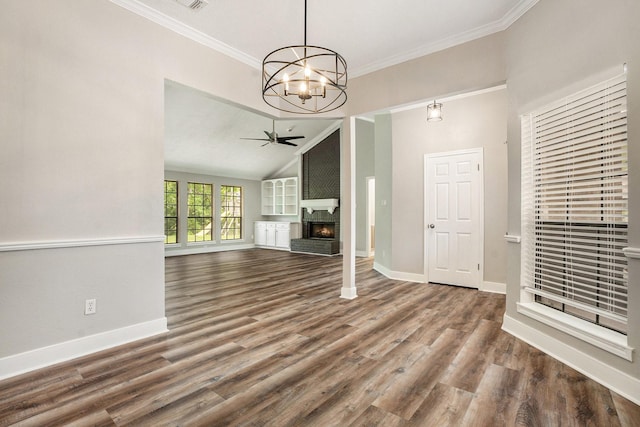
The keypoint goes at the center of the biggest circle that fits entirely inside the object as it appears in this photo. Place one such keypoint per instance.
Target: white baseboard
(398, 275)
(610, 377)
(362, 254)
(495, 287)
(203, 249)
(39, 358)
(348, 293)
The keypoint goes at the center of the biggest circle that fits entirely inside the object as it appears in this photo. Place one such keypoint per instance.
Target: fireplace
(321, 230)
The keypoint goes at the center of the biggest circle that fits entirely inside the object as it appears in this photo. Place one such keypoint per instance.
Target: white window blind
(574, 204)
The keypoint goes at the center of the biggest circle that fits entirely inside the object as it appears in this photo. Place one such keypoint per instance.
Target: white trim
(607, 340)
(362, 254)
(612, 378)
(632, 253)
(197, 36)
(318, 139)
(61, 244)
(476, 33)
(348, 293)
(494, 287)
(424, 103)
(512, 238)
(56, 353)
(174, 25)
(197, 249)
(398, 275)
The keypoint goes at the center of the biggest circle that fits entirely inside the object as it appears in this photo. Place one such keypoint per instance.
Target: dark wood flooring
(261, 338)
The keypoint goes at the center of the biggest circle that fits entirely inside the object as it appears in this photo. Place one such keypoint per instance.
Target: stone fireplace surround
(320, 180)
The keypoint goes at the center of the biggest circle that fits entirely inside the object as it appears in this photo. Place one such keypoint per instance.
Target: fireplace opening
(321, 230)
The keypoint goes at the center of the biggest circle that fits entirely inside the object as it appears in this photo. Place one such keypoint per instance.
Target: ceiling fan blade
(257, 139)
(286, 138)
(269, 135)
(281, 141)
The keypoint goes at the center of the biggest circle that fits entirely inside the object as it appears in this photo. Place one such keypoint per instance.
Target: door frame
(480, 153)
(370, 202)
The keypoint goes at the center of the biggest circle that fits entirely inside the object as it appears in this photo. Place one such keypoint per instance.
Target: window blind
(574, 203)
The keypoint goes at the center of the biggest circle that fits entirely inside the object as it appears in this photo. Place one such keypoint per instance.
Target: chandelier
(304, 79)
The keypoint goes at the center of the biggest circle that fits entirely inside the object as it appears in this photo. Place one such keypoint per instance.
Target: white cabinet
(260, 234)
(280, 196)
(276, 235)
(271, 234)
(283, 235)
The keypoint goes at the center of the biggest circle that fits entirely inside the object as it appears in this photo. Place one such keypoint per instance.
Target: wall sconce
(434, 112)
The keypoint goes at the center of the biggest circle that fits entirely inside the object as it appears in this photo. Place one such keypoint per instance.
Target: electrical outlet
(90, 306)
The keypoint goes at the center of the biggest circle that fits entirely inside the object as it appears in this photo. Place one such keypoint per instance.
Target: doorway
(453, 232)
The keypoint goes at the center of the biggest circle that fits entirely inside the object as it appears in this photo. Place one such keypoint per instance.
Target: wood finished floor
(260, 338)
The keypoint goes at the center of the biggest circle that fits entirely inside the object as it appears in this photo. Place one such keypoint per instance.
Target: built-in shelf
(311, 205)
(280, 196)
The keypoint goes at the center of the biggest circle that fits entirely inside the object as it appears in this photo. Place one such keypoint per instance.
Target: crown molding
(494, 27)
(153, 15)
(174, 25)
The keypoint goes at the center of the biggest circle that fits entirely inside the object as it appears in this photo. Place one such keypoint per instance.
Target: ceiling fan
(273, 138)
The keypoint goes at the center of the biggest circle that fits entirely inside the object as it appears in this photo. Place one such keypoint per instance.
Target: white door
(453, 220)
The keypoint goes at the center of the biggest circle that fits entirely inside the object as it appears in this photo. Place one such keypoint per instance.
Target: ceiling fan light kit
(304, 79)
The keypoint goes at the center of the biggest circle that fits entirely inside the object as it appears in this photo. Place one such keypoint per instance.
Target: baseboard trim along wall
(398, 275)
(39, 358)
(618, 381)
(202, 249)
(494, 287)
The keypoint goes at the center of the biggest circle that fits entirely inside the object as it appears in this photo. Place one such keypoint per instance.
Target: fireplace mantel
(319, 205)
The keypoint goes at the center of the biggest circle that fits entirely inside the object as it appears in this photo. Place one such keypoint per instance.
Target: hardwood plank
(444, 406)
(495, 403)
(469, 365)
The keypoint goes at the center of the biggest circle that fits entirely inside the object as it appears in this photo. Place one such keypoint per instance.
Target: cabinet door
(271, 234)
(291, 196)
(267, 198)
(279, 197)
(260, 235)
(282, 235)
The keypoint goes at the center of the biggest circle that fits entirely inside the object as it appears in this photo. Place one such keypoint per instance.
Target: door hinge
(478, 267)
(478, 167)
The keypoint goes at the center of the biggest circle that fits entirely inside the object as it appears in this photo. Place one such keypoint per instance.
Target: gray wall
(384, 189)
(469, 122)
(81, 125)
(558, 47)
(365, 167)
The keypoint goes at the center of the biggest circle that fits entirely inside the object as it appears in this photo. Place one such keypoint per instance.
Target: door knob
(432, 226)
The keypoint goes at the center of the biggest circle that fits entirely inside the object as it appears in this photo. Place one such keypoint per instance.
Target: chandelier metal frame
(304, 79)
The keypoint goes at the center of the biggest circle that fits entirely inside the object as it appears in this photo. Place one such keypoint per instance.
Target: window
(200, 216)
(231, 212)
(574, 205)
(170, 212)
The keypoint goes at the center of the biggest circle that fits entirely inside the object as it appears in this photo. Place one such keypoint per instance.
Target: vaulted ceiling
(369, 34)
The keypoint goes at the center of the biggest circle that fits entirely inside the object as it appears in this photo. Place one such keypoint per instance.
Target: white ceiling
(202, 134)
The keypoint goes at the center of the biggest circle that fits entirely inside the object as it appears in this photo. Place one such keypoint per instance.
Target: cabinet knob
(432, 226)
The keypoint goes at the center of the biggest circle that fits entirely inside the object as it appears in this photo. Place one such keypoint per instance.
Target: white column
(348, 208)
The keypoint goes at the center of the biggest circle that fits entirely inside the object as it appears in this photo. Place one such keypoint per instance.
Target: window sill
(205, 243)
(608, 340)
